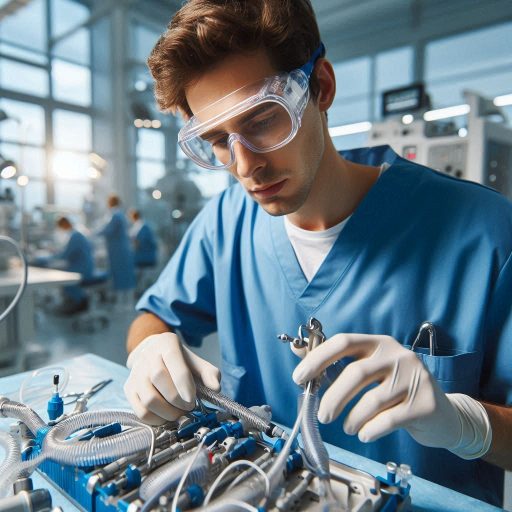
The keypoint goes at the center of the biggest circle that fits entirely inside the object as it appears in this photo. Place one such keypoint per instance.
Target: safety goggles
(263, 116)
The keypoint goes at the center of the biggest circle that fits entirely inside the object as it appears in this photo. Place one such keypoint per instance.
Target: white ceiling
(356, 27)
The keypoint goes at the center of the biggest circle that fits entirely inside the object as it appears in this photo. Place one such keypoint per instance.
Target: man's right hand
(161, 385)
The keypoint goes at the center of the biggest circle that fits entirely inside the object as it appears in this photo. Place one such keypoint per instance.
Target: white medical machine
(480, 150)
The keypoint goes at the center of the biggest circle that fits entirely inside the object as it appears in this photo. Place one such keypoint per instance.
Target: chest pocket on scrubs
(231, 381)
(456, 372)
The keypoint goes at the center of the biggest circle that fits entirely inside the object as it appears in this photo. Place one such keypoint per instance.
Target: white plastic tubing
(56, 445)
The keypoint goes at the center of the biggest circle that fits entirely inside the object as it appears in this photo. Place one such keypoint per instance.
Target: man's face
(280, 181)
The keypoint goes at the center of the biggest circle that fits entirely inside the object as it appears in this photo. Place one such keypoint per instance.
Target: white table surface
(10, 279)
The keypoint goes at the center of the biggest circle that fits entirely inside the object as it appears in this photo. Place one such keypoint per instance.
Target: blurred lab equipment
(479, 151)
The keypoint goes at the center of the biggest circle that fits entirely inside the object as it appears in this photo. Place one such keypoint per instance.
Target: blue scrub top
(421, 246)
(145, 247)
(120, 252)
(78, 255)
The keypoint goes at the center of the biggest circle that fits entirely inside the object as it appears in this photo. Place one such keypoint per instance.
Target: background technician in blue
(365, 241)
(143, 240)
(119, 249)
(77, 255)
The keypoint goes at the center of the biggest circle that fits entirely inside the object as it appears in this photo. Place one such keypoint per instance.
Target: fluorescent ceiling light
(23, 180)
(8, 171)
(349, 129)
(407, 119)
(444, 113)
(503, 101)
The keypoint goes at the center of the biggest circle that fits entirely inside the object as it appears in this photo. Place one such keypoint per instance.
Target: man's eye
(261, 124)
(219, 142)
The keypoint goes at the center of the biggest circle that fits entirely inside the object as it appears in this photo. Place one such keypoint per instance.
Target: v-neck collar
(364, 224)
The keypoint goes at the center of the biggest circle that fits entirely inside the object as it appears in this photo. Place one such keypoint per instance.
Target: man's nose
(247, 162)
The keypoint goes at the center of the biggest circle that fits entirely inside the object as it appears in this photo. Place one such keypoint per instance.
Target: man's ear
(327, 84)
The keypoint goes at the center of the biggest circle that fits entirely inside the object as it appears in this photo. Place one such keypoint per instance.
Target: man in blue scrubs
(368, 243)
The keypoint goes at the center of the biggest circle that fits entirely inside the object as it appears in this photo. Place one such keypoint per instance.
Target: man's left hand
(406, 395)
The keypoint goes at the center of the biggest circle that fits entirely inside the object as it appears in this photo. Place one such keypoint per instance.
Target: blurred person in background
(77, 253)
(119, 249)
(143, 240)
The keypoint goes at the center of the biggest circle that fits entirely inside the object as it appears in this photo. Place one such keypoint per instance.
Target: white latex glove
(161, 385)
(407, 395)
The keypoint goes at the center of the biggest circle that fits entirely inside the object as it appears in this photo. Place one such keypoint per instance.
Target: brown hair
(134, 214)
(64, 223)
(203, 32)
(113, 200)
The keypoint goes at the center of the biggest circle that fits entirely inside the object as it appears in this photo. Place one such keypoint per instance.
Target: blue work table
(88, 369)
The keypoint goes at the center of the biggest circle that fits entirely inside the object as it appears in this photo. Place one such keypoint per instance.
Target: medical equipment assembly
(220, 458)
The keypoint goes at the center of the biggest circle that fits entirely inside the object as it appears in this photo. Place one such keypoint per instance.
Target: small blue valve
(55, 404)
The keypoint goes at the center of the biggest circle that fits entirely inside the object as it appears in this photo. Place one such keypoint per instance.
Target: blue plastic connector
(55, 406)
(294, 462)
(133, 477)
(227, 429)
(103, 431)
(242, 449)
(233, 429)
(278, 445)
(111, 489)
(202, 420)
(195, 494)
(41, 434)
(189, 430)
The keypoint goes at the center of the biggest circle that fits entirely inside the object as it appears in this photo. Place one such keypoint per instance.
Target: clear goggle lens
(265, 127)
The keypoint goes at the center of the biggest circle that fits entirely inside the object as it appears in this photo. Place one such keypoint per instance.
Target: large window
(480, 60)
(23, 137)
(24, 78)
(71, 82)
(26, 27)
(66, 15)
(47, 66)
(150, 152)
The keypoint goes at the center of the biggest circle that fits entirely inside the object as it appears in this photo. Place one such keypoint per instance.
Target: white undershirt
(312, 247)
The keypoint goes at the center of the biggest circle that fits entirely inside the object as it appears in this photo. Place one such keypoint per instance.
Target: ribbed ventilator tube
(251, 491)
(11, 409)
(238, 410)
(168, 476)
(95, 451)
(12, 456)
(314, 448)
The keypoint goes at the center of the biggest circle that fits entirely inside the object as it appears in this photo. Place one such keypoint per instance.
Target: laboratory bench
(18, 329)
(87, 370)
